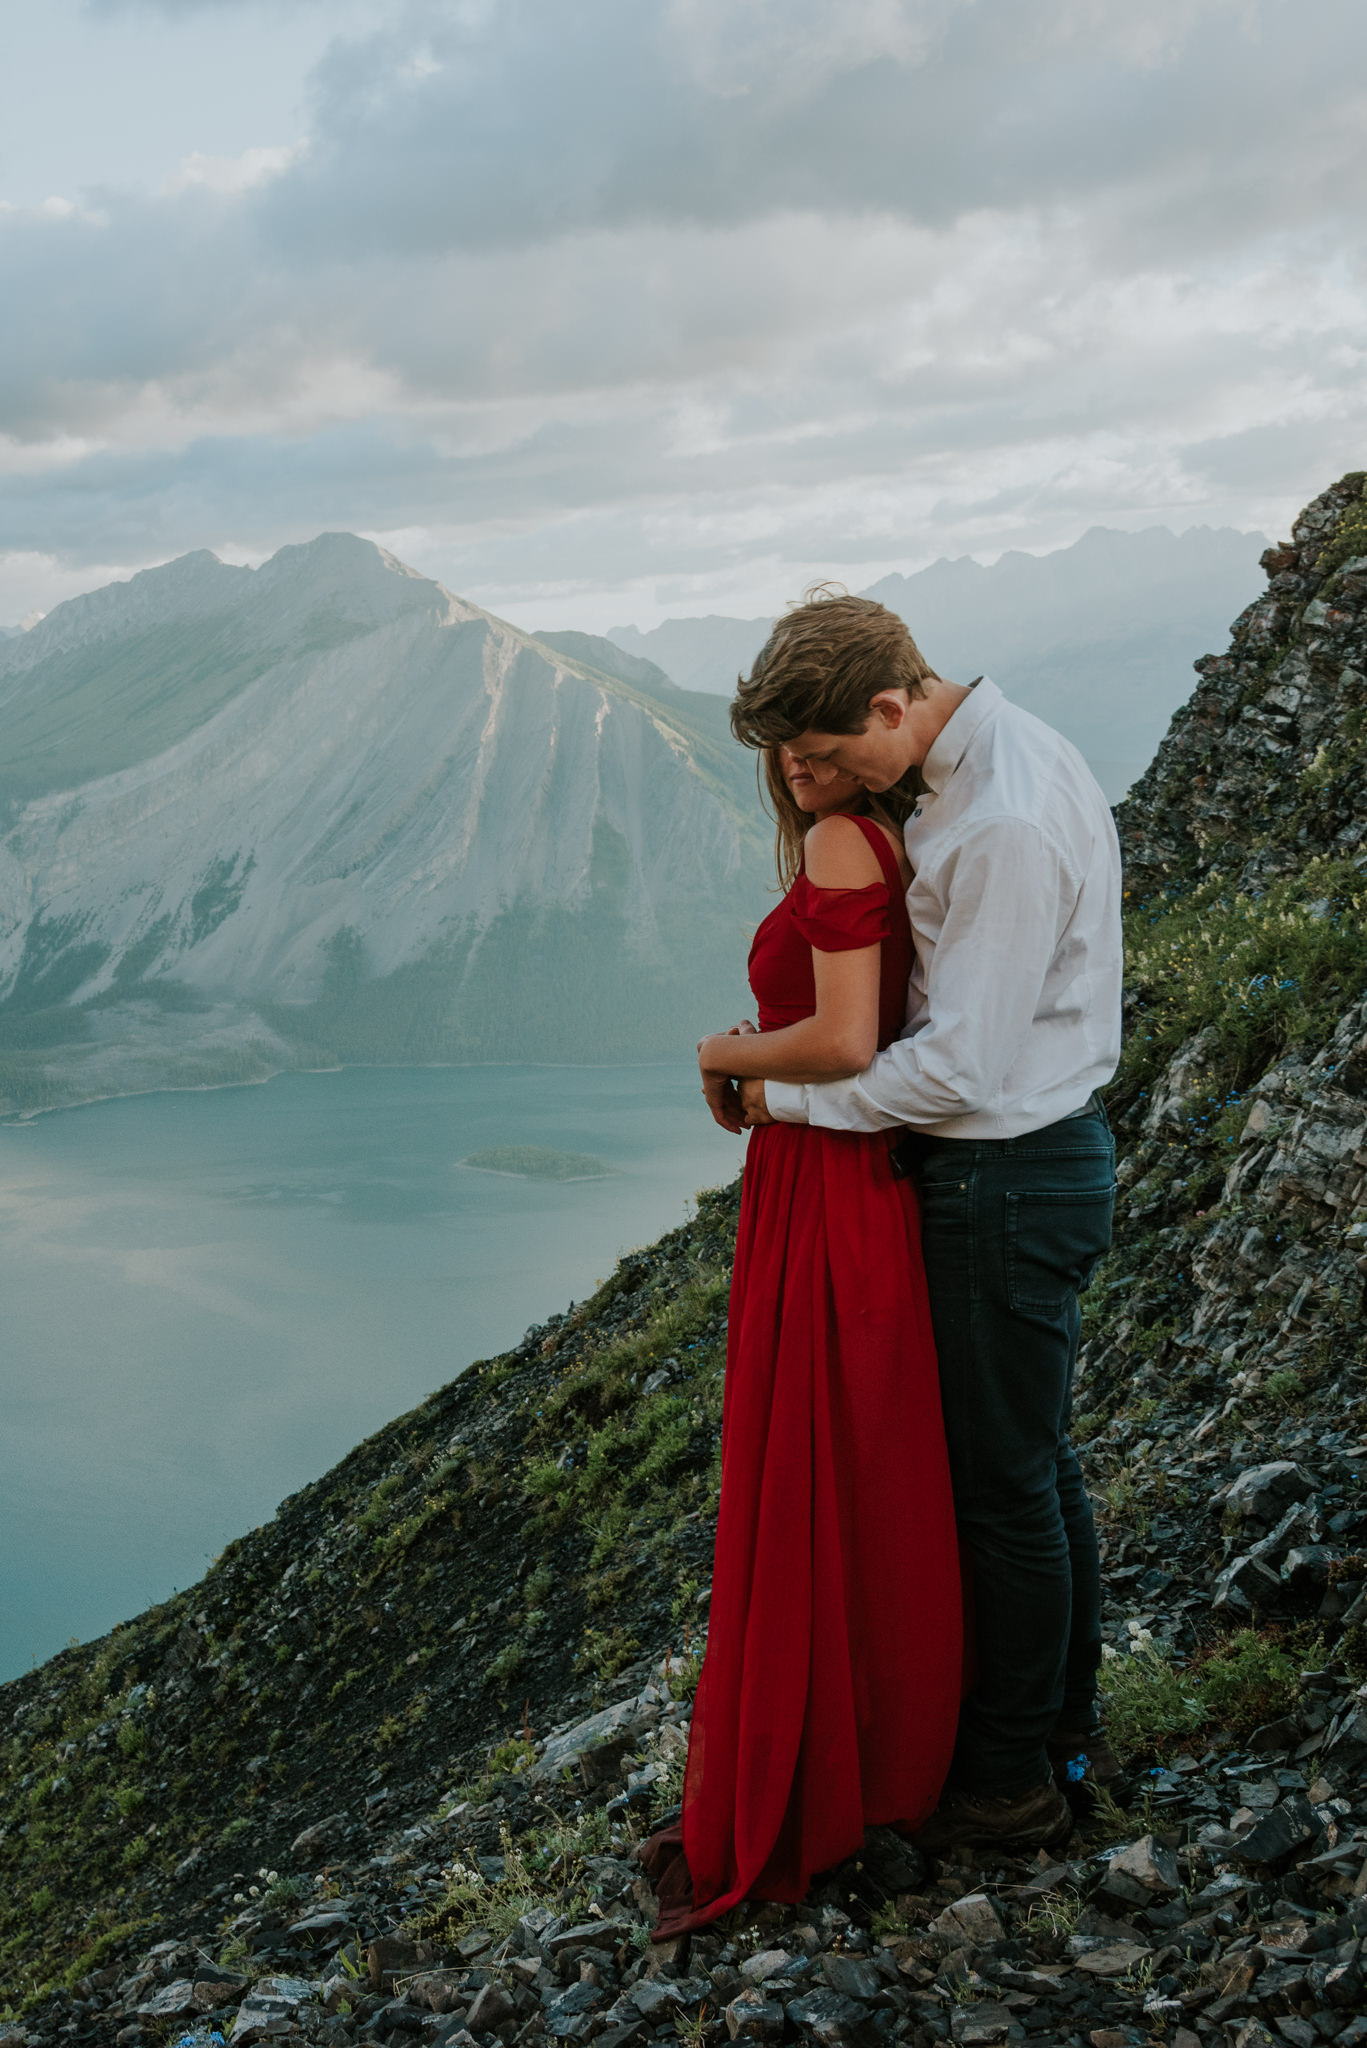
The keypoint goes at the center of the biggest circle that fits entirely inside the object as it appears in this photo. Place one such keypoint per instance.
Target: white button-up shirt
(1013, 1013)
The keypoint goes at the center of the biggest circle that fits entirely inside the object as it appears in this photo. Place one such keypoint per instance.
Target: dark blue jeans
(1012, 1229)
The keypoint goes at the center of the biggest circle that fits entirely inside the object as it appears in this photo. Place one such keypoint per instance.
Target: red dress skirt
(830, 1689)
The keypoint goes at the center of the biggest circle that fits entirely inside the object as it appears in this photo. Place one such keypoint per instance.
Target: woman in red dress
(830, 1689)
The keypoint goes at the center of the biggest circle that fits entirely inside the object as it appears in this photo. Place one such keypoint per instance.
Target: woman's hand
(712, 1054)
(718, 1086)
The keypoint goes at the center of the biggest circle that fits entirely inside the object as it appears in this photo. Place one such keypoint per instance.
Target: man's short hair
(822, 666)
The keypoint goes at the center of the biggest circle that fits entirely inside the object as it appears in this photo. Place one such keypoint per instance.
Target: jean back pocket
(1054, 1238)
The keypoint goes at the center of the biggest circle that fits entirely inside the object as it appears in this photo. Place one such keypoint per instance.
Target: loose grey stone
(439, 1990)
(655, 1997)
(491, 2008)
(1246, 1587)
(588, 1934)
(1272, 1839)
(827, 2017)
(1151, 1865)
(260, 2016)
(855, 1976)
(977, 2026)
(569, 2017)
(1306, 1567)
(315, 1841)
(324, 1920)
(1112, 1959)
(752, 2017)
(769, 1960)
(627, 1718)
(973, 1919)
(172, 2002)
(1264, 1492)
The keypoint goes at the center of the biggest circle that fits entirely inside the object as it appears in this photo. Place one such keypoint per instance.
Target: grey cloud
(956, 449)
(469, 131)
(1306, 452)
(463, 127)
(673, 284)
(124, 293)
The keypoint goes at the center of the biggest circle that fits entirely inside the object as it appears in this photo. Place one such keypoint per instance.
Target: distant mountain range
(324, 810)
(1097, 638)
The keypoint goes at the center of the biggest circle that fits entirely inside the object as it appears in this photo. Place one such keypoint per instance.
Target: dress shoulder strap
(878, 840)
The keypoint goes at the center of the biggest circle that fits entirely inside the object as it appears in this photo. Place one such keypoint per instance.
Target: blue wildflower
(1076, 1768)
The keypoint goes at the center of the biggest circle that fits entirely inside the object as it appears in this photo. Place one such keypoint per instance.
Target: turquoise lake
(207, 1298)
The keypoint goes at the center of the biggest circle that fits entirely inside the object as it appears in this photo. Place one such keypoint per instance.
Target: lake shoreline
(17, 1119)
(208, 1294)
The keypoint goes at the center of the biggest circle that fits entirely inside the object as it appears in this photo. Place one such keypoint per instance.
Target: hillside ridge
(379, 1777)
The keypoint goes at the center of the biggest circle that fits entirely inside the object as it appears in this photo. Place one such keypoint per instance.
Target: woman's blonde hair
(891, 807)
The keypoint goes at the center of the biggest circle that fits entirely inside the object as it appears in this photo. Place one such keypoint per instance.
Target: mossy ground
(1257, 974)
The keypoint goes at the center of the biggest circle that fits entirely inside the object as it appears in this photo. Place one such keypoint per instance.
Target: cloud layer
(659, 302)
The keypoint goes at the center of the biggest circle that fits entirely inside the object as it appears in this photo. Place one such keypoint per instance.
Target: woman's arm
(838, 1041)
(842, 1037)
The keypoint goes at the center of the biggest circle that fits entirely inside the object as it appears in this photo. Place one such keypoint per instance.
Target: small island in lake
(537, 1162)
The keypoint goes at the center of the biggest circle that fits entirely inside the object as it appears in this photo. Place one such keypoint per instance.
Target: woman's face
(817, 797)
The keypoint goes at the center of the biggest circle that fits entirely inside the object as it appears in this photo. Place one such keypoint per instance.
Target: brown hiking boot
(1083, 1765)
(1014, 1821)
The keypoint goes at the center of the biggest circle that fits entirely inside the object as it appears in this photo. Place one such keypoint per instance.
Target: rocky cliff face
(326, 809)
(378, 1778)
(1233, 1303)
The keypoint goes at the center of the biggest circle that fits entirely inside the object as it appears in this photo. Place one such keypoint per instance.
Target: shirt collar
(958, 734)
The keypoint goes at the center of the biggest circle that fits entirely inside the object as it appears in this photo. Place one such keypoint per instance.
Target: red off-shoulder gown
(830, 1688)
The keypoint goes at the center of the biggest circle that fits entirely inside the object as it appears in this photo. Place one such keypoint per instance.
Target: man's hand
(722, 1099)
(754, 1108)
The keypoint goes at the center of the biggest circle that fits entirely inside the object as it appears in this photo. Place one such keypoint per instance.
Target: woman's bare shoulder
(838, 856)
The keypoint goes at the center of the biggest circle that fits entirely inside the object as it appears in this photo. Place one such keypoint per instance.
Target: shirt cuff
(786, 1101)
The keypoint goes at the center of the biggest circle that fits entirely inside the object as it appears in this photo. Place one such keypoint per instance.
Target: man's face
(880, 755)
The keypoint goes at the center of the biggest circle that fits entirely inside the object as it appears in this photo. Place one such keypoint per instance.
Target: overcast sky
(609, 310)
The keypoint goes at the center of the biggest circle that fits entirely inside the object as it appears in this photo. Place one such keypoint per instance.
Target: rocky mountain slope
(324, 810)
(1096, 638)
(378, 1777)
(1242, 1092)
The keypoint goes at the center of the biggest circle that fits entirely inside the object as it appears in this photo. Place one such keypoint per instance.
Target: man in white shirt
(1013, 1022)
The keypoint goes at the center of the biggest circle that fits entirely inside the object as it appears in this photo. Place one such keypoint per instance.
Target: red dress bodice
(834, 921)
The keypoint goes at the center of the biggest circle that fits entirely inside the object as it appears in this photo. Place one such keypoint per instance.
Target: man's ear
(889, 708)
